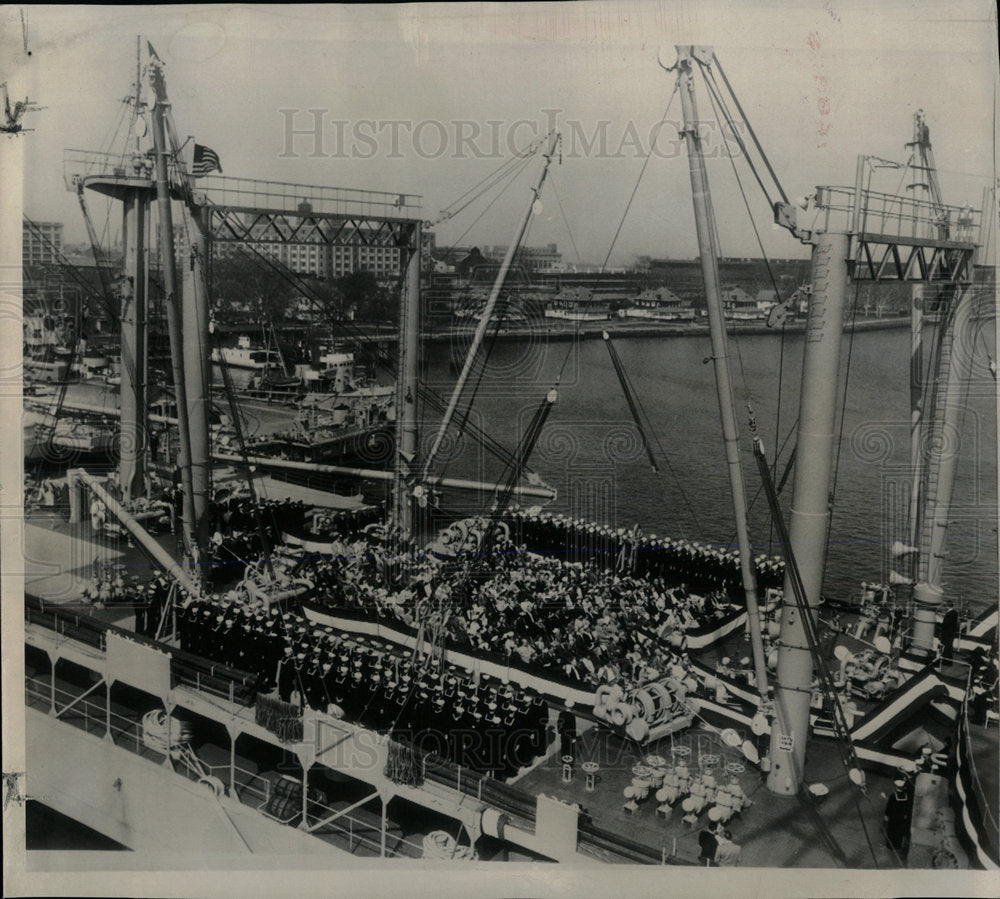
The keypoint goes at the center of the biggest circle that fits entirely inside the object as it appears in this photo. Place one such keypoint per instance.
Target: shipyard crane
(889, 238)
(922, 161)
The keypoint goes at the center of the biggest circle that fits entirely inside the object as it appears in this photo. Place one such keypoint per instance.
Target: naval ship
(355, 678)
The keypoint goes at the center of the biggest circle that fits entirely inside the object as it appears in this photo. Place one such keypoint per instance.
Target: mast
(171, 301)
(407, 386)
(944, 438)
(196, 353)
(197, 375)
(810, 511)
(487, 314)
(134, 297)
(924, 183)
(686, 57)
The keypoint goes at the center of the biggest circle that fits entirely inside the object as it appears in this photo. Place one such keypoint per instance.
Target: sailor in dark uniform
(402, 715)
(316, 688)
(340, 685)
(494, 738)
(420, 710)
(140, 601)
(203, 630)
(566, 727)
(898, 811)
(948, 633)
(354, 698)
(155, 602)
(434, 736)
(286, 676)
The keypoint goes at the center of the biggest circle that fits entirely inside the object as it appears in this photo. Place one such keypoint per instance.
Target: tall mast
(940, 467)
(407, 387)
(923, 187)
(491, 302)
(196, 353)
(134, 297)
(810, 511)
(172, 301)
(687, 56)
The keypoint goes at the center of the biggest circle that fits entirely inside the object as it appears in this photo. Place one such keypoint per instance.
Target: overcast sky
(820, 82)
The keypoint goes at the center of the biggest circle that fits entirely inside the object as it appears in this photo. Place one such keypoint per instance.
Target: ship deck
(797, 832)
(774, 832)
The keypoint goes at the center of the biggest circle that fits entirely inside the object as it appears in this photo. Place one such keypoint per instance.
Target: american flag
(205, 160)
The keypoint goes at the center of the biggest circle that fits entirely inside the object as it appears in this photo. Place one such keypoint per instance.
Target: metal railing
(248, 193)
(79, 164)
(87, 714)
(970, 756)
(284, 196)
(357, 833)
(71, 625)
(238, 687)
(244, 786)
(896, 216)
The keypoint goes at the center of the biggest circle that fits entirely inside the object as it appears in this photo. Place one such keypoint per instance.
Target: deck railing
(247, 193)
(239, 687)
(358, 833)
(896, 216)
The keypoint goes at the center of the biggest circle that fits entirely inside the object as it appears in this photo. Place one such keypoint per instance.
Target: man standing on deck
(566, 726)
(898, 810)
(948, 633)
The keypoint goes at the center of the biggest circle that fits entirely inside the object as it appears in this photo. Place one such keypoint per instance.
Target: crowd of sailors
(238, 522)
(703, 568)
(476, 722)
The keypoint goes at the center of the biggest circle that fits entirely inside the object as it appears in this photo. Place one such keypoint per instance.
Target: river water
(592, 453)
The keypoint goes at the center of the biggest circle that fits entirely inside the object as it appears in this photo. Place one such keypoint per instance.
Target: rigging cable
(510, 176)
(714, 93)
(843, 405)
(639, 413)
(493, 178)
(848, 755)
(575, 341)
(746, 121)
(569, 230)
(425, 392)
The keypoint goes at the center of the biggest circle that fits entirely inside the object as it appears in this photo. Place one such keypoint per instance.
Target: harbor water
(592, 453)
